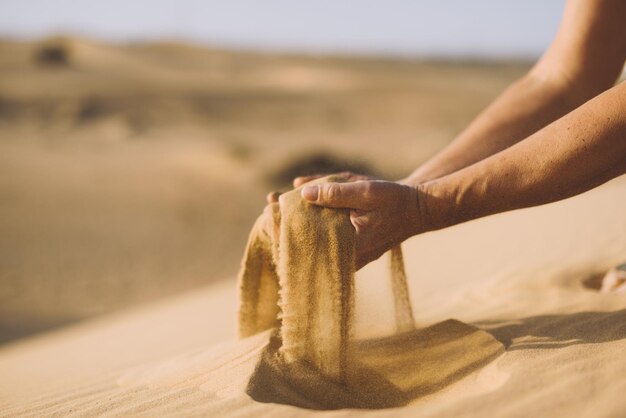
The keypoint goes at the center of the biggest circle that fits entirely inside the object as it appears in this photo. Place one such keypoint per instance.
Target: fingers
(348, 175)
(299, 181)
(272, 197)
(339, 195)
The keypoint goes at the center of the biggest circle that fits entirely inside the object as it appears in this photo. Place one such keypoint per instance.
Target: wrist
(413, 180)
(431, 170)
(437, 205)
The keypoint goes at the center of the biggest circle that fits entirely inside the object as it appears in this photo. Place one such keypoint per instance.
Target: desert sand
(523, 277)
(524, 282)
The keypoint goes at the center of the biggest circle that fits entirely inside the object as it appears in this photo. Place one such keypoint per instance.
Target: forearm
(585, 59)
(525, 107)
(582, 150)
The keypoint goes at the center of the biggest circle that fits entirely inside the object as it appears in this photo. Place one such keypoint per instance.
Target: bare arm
(583, 149)
(584, 60)
(558, 132)
(576, 153)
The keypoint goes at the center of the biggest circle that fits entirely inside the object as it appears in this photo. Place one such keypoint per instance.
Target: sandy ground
(133, 172)
(520, 276)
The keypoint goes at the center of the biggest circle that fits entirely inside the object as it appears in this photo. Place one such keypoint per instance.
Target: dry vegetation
(130, 172)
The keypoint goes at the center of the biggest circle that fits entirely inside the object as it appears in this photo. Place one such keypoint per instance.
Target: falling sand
(298, 277)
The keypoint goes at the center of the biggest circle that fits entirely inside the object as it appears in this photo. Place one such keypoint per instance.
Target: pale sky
(467, 28)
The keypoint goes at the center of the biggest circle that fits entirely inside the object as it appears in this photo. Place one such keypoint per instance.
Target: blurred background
(138, 139)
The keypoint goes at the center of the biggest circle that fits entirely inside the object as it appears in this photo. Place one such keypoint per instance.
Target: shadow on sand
(557, 331)
(383, 373)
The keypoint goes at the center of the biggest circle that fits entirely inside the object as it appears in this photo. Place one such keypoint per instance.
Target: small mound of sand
(384, 372)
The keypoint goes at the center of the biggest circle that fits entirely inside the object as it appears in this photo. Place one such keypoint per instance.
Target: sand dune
(524, 286)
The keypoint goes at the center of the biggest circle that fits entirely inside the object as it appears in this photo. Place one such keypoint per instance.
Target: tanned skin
(558, 131)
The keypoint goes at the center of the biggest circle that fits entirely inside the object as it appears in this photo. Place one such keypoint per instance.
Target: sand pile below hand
(298, 277)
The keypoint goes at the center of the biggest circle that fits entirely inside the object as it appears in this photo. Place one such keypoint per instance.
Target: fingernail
(311, 193)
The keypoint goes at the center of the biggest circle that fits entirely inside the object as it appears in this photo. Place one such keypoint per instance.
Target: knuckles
(332, 192)
(369, 191)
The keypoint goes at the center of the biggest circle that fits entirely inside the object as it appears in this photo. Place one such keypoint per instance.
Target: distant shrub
(53, 54)
(318, 163)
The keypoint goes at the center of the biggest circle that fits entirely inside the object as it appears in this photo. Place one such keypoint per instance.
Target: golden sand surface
(523, 284)
(131, 173)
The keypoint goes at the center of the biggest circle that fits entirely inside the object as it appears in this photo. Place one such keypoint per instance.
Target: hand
(383, 213)
(272, 197)
(615, 280)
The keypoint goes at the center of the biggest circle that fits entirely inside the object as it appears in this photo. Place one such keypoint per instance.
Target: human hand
(272, 197)
(383, 213)
(615, 280)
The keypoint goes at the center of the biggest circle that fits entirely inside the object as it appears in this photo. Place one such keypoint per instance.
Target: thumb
(337, 195)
